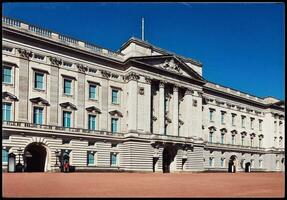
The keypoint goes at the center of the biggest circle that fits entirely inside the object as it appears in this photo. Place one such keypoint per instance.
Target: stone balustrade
(58, 37)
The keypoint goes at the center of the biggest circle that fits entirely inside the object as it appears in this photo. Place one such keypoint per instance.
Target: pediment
(169, 63)
(116, 113)
(93, 109)
(39, 100)
(68, 105)
(8, 95)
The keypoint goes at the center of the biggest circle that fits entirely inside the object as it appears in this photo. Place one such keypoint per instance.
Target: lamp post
(19, 153)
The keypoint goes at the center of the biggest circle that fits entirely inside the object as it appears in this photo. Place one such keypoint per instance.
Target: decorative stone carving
(148, 79)
(81, 68)
(132, 76)
(175, 88)
(9, 96)
(115, 75)
(154, 118)
(162, 83)
(189, 91)
(194, 103)
(25, 53)
(39, 100)
(55, 61)
(170, 65)
(106, 74)
(141, 90)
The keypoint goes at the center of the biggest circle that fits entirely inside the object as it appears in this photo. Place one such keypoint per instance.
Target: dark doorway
(35, 157)
(247, 167)
(231, 164)
(168, 155)
(154, 161)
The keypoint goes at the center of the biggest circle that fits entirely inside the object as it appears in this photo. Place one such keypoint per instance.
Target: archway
(35, 157)
(232, 164)
(248, 167)
(168, 155)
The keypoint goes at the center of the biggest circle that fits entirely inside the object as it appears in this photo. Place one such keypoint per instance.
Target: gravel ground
(143, 185)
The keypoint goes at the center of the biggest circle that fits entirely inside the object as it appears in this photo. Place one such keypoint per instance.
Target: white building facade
(141, 108)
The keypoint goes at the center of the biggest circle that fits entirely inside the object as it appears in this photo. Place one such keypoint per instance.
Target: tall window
(242, 140)
(222, 138)
(92, 91)
(275, 126)
(243, 121)
(114, 125)
(113, 159)
(210, 162)
(252, 123)
(260, 163)
(67, 119)
(222, 117)
(4, 156)
(166, 105)
(260, 142)
(90, 158)
(67, 87)
(251, 141)
(38, 115)
(7, 75)
(280, 127)
(260, 124)
(222, 162)
(6, 111)
(233, 139)
(233, 119)
(210, 137)
(115, 99)
(39, 81)
(211, 115)
(92, 122)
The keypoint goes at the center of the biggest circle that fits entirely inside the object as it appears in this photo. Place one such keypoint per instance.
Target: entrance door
(231, 164)
(168, 155)
(247, 167)
(35, 157)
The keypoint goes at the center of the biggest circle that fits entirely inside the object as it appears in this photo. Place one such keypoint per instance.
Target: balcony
(50, 128)
(235, 147)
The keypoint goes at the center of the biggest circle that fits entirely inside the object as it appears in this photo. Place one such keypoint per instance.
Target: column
(161, 108)
(132, 105)
(175, 110)
(188, 112)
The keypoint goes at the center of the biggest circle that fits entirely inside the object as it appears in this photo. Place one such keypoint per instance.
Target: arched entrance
(168, 155)
(35, 157)
(232, 164)
(248, 167)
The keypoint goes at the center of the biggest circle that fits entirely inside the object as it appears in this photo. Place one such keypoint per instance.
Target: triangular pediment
(169, 63)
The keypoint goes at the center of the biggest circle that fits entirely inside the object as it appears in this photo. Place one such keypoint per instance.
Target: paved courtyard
(143, 185)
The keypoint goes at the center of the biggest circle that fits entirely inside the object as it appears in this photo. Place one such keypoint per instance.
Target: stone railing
(215, 144)
(24, 125)
(58, 37)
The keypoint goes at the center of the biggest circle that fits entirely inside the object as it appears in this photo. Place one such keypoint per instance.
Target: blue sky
(241, 45)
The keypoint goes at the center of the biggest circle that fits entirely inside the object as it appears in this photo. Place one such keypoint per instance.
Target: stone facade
(166, 116)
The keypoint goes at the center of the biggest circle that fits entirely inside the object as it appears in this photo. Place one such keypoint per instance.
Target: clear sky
(241, 45)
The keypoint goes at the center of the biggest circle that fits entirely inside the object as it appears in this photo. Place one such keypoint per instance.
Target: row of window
(280, 126)
(233, 119)
(67, 118)
(39, 84)
(223, 163)
(222, 140)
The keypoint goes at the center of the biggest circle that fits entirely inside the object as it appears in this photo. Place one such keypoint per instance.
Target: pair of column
(162, 111)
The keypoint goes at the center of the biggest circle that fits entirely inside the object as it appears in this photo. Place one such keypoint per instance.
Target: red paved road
(143, 185)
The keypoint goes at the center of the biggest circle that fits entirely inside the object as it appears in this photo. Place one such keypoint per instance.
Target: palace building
(141, 108)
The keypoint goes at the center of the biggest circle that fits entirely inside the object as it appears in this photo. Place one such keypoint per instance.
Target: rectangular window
(38, 115)
(260, 142)
(222, 162)
(260, 163)
(67, 87)
(39, 81)
(113, 159)
(6, 111)
(242, 141)
(92, 122)
(233, 119)
(222, 117)
(243, 121)
(233, 139)
(275, 126)
(260, 125)
(91, 159)
(7, 75)
(92, 91)
(252, 123)
(4, 156)
(210, 162)
(222, 138)
(115, 96)
(251, 142)
(211, 115)
(210, 137)
(67, 119)
(114, 125)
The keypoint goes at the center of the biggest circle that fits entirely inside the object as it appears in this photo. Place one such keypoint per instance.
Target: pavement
(143, 184)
